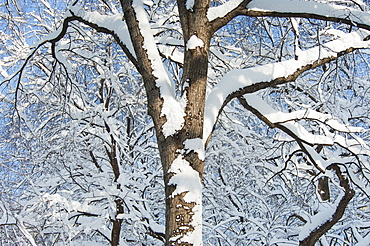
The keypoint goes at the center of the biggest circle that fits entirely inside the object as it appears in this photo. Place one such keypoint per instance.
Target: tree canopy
(197, 122)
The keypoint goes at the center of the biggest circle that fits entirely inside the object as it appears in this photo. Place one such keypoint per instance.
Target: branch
(219, 16)
(160, 90)
(112, 25)
(236, 83)
(307, 9)
(324, 220)
(294, 132)
(287, 122)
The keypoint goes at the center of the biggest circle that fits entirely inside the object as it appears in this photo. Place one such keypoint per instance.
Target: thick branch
(307, 9)
(299, 9)
(253, 13)
(221, 21)
(239, 82)
(304, 145)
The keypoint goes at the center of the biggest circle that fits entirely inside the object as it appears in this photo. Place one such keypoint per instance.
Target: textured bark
(179, 213)
(323, 188)
(179, 216)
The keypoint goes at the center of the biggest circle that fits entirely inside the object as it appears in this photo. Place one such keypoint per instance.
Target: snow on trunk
(196, 145)
(194, 42)
(187, 183)
(189, 4)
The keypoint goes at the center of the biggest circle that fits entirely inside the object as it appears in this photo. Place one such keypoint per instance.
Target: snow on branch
(6, 217)
(362, 241)
(239, 82)
(220, 15)
(173, 109)
(222, 10)
(114, 23)
(169, 48)
(288, 123)
(329, 214)
(309, 9)
(277, 117)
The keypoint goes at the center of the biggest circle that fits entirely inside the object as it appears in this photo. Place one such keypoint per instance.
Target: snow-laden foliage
(102, 101)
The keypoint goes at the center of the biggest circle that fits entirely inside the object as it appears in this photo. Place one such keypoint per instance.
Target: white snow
(276, 116)
(197, 145)
(364, 241)
(172, 109)
(295, 27)
(320, 162)
(357, 181)
(189, 4)
(238, 79)
(323, 9)
(156, 227)
(172, 53)
(114, 23)
(187, 180)
(221, 10)
(169, 47)
(194, 42)
(293, 6)
(22, 228)
(320, 218)
(289, 120)
(5, 216)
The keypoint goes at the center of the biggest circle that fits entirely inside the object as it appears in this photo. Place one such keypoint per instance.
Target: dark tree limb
(320, 230)
(243, 10)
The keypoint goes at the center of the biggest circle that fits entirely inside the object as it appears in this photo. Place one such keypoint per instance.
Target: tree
(296, 66)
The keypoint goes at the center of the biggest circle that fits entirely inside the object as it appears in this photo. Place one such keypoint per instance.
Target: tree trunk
(183, 203)
(183, 174)
(182, 164)
(183, 168)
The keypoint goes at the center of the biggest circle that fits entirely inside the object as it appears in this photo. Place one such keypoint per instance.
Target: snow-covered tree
(263, 102)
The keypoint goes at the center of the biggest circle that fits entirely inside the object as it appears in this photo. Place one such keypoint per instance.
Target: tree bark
(183, 216)
(182, 213)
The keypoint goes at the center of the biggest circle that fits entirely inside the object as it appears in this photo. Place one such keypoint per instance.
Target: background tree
(282, 83)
